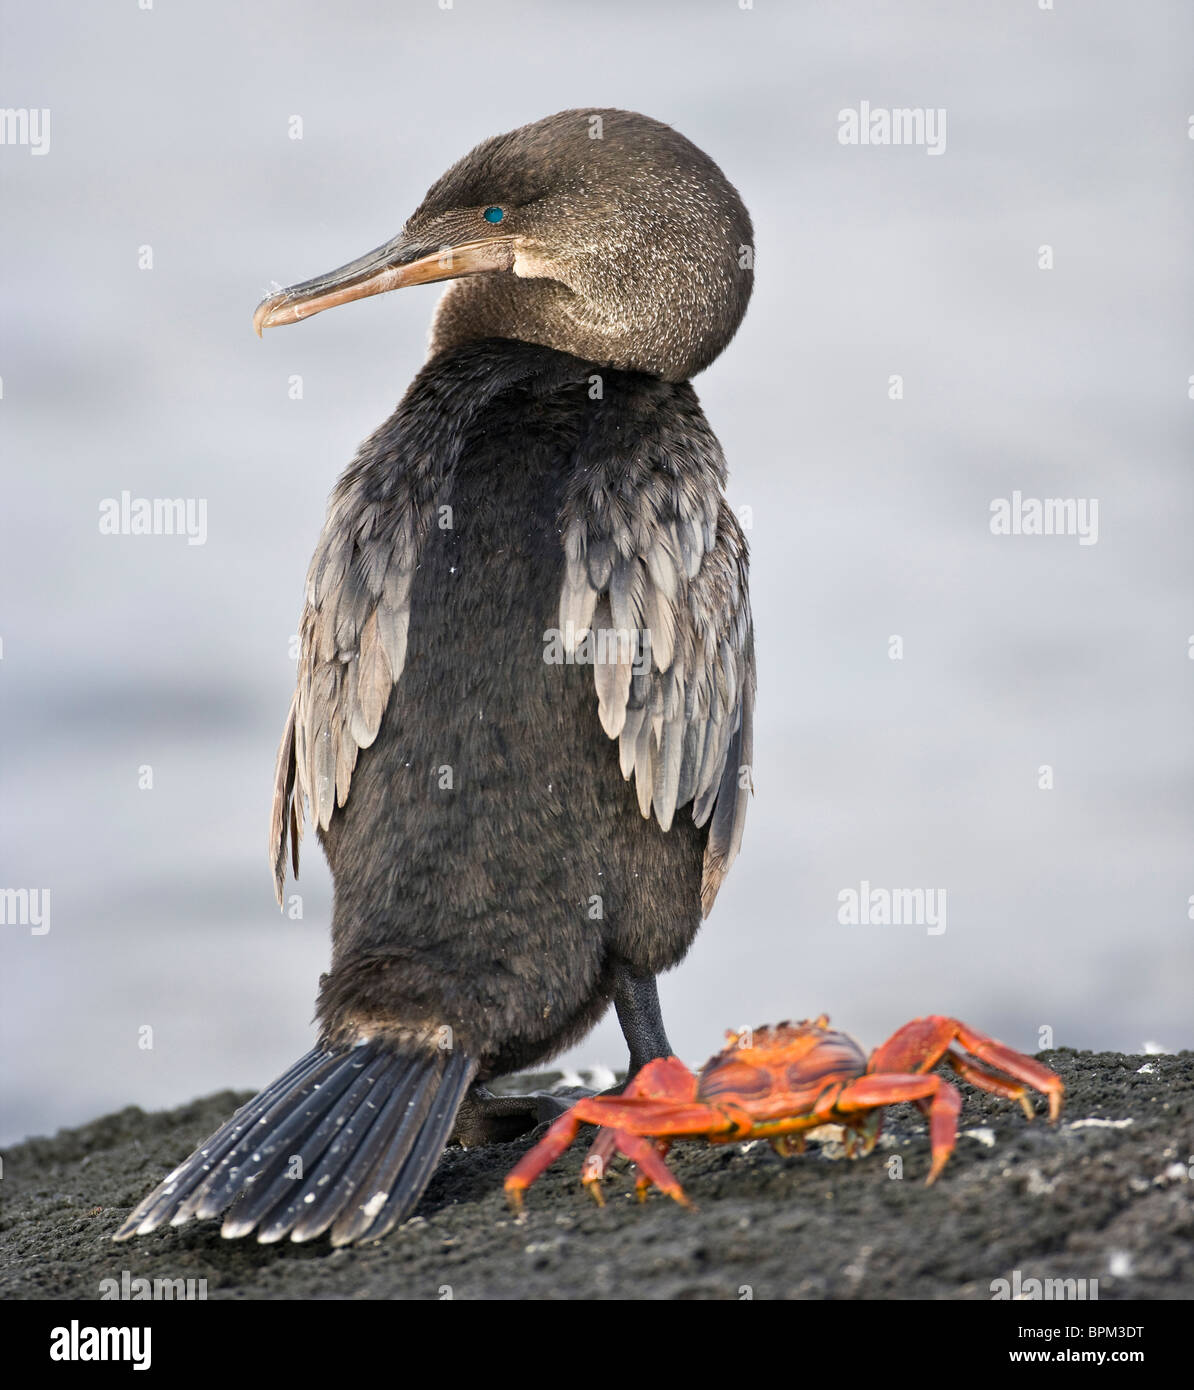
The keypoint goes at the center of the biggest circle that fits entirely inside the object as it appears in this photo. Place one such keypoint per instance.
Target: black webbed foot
(484, 1118)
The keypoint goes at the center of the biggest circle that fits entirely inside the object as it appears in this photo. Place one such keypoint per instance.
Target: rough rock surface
(1108, 1194)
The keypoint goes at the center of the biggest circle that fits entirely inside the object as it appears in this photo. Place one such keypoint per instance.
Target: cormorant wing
(352, 647)
(653, 548)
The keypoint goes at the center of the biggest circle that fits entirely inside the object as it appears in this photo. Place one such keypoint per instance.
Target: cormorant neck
(630, 330)
(544, 312)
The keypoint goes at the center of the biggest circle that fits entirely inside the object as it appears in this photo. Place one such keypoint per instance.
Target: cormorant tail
(345, 1141)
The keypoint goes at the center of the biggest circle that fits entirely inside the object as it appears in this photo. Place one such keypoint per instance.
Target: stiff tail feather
(367, 1124)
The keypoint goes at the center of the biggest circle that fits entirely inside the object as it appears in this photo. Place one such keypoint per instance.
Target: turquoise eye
(493, 214)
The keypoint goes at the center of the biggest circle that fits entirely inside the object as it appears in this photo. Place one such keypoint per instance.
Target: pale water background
(1067, 909)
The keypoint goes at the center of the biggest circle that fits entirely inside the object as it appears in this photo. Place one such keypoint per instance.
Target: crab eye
(493, 214)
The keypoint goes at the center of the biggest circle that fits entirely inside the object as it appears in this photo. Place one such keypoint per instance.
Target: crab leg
(666, 1078)
(643, 1181)
(1016, 1064)
(660, 1099)
(990, 1081)
(608, 1143)
(651, 1167)
(918, 1046)
(610, 1112)
(597, 1161)
(537, 1160)
(945, 1104)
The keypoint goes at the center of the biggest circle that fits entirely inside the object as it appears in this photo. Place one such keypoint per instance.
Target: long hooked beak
(390, 267)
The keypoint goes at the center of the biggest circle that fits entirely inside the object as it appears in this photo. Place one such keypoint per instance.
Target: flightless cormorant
(522, 726)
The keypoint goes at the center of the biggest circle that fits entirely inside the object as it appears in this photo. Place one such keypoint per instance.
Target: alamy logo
(28, 126)
(1018, 515)
(75, 1343)
(600, 646)
(881, 125)
(154, 516)
(1029, 1289)
(140, 1289)
(865, 906)
(26, 907)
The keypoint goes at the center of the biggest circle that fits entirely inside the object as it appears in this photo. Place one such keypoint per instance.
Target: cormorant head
(601, 233)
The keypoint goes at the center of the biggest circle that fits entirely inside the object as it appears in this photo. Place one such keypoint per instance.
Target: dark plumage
(517, 834)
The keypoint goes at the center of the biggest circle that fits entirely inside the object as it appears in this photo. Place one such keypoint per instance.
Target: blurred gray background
(1067, 909)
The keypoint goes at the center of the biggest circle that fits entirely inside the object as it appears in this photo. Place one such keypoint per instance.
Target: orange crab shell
(778, 1069)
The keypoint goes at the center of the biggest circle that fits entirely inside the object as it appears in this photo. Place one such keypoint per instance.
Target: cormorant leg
(484, 1118)
(636, 999)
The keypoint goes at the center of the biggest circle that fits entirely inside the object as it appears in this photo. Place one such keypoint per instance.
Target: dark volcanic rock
(1107, 1195)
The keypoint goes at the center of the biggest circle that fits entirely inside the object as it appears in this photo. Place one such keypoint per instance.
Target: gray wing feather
(661, 556)
(353, 637)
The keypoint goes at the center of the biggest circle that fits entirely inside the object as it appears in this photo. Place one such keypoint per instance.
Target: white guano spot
(375, 1203)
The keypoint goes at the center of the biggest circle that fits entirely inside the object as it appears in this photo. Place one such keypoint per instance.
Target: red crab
(773, 1082)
